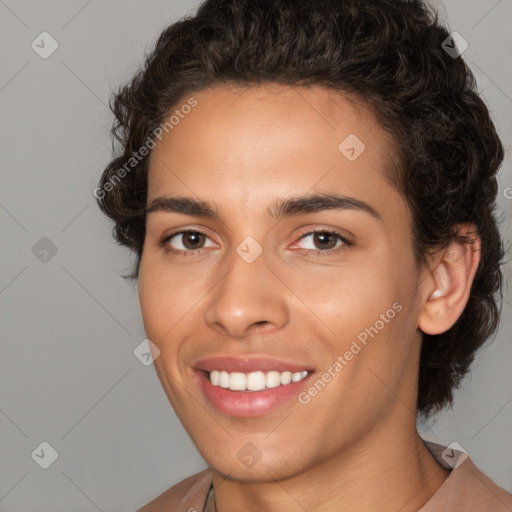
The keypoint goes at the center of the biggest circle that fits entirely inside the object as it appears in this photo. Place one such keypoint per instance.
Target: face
(277, 250)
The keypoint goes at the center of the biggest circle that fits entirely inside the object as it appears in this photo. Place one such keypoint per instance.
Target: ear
(446, 287)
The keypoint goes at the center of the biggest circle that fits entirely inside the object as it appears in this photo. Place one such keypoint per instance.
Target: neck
(388, 473)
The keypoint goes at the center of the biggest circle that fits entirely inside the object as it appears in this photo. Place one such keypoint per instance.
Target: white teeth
(286, 377)
(298, 376)
(214, 377)
(254, 381)
(273, 379)
(237, 381)
(224, 380)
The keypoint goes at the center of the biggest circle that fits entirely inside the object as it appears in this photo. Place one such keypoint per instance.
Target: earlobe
(448, 284)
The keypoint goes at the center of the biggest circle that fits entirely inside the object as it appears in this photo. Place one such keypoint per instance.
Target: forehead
(256, 142)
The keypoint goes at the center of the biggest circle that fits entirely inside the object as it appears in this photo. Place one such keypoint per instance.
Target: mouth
(254, 381)
(250, 387)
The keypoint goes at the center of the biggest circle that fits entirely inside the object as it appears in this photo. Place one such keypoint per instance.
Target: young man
(309, 189)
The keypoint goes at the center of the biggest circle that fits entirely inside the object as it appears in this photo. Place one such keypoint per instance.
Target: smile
(254, 381)
(248, 386)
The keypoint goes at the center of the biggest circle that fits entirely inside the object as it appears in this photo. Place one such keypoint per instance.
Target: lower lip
(249, 404)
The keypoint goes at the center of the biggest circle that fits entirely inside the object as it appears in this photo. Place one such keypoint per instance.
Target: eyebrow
(297, 205)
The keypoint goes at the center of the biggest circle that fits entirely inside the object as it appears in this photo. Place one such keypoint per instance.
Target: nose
(249, 298)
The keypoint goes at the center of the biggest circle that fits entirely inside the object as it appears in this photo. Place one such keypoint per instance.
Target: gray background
(70, 324)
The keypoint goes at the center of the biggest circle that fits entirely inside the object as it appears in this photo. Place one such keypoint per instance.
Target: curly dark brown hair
(388, 53)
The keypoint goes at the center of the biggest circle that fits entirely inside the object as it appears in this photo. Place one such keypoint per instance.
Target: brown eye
(325, 240)
(187, 241)
(193, 239)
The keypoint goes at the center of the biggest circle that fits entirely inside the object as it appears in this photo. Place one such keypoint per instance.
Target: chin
(251, 466)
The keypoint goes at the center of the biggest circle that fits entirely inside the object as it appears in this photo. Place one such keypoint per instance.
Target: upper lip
(247, 364)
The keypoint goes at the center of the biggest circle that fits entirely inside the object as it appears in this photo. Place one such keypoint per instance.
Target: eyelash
(169, 250)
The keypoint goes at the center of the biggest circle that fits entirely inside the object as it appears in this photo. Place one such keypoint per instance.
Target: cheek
(169, 307)
(347, 298)
(385, 322)
(371, 311)
(157, 300)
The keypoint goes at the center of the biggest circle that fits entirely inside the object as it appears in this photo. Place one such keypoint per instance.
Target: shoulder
(186, 495)
(483, 493)
(466, 489)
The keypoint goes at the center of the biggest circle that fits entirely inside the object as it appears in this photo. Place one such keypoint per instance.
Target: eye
(194, 241)
(185, 241)
(323, 241)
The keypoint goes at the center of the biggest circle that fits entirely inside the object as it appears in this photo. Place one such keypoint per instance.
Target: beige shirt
(466, 489)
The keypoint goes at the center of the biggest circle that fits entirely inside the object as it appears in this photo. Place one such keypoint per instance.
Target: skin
(354, 446)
